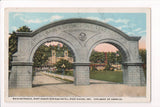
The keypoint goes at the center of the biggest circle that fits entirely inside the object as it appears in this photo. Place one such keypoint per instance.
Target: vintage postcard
(77, 54)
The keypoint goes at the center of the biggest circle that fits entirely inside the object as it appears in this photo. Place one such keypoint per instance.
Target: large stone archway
(81, 35)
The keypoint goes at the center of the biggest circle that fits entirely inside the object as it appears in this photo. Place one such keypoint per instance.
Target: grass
(107, 76)
(113, 76)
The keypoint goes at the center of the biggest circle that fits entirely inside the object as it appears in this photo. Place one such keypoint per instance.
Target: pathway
(44, 85)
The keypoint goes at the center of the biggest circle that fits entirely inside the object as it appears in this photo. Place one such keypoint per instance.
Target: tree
(107, 67)
(13, 41)
(111, 57)
(66, 63)
(142, 53)
(114, 57)
(119, 57)
(41, 55)
(93, 68)
(97, 57)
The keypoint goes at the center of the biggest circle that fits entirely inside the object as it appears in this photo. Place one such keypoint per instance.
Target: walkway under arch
(81, 35)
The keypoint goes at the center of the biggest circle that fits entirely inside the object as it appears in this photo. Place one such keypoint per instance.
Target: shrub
(107, 67)
(93, 68)
(69, 73)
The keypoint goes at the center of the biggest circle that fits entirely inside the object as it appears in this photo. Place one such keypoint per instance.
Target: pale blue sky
(133, 24)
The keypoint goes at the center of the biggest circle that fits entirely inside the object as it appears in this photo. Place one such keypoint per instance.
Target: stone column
(21, 75)
(125, 74)
(133, 74)
(81, 75)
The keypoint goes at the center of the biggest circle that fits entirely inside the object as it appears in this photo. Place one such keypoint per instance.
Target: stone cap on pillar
(81, 63)
(17, 63)
(132, 63)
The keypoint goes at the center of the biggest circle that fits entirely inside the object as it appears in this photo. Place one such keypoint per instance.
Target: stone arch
(81, 35)
(123, 50)
(118, 45)
(33, 50)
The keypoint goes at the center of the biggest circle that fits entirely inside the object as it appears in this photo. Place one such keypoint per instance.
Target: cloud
(52, 18)
(143, 31)
(138, 29)
(131, 33)
(95, 18)
(132, 25)
(124, 21)
(31, 20)
(108, 20)
(121, 27)
(17, 14)
(14, 28)
(56, 17)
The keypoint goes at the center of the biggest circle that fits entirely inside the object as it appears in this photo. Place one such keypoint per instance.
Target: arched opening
(106, 63)
(55, 60)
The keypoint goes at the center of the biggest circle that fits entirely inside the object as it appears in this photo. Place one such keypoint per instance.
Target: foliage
(69, 73)
(119, 57)
(13, 42)
(67, 64)
(107, 67)
(41, 55)
(97, 57)
(142, 53)
(93, 68)
(114, 57)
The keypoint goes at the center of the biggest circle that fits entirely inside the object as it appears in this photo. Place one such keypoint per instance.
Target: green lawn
(113, 76)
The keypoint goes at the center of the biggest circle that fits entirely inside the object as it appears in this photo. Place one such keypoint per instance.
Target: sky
(133, 24)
